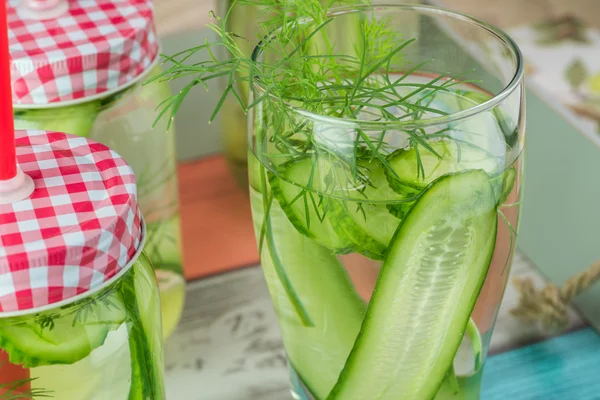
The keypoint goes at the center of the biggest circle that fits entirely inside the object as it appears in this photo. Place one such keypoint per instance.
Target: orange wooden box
(216, 220)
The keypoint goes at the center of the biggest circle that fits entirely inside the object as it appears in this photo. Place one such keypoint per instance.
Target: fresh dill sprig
(14, 390)
(90, 312)
(305, 64)
(81, 312)
(46, 321)
(325, 61)
(302, 67)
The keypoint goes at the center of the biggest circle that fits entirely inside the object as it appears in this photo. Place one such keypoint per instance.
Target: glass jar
(80, 315)
(124, 122)
(103, 346)
(118, 111)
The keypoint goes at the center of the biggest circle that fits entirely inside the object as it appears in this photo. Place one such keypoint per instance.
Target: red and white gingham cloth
(98, 46)
(80, 227)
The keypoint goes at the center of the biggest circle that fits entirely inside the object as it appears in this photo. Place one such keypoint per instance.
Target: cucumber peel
(427, 289)
(306, 210)
(368, 226)
(318, 352)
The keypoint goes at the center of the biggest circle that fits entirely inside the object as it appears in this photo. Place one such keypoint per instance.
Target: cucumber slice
(306, 212)
(504, 184)
(426, 291)
(347, 226)
(317, 353)
(76, 120)
(506, 124)
(145, 336)
(163, 244)
(369, 225)
(255, 170)
(453, 157)
(379, 189)
(62, 338)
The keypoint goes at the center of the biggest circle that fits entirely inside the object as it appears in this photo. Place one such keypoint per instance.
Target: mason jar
(89, 82)
(79, 302)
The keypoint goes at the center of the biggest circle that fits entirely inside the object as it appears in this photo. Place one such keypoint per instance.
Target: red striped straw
(8, 159)
(9, 373)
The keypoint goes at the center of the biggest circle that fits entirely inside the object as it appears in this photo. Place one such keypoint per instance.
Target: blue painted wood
(564, 368)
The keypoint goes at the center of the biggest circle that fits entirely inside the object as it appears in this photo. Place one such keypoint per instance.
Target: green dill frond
(13, 391)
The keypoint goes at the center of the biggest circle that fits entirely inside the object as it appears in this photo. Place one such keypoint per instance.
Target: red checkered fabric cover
(98, 46)
(80, 227)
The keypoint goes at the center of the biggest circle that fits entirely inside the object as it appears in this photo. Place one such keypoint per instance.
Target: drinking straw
(14, 184)
(13, 378)
(8, 160)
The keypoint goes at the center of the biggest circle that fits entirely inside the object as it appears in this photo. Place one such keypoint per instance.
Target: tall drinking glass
(386, 235)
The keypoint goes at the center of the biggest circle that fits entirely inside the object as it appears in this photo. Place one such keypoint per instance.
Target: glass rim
(496, 99)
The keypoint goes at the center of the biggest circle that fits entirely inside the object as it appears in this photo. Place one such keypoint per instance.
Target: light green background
(560, 227)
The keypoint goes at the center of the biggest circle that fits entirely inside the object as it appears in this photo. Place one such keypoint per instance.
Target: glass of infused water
(386, 151)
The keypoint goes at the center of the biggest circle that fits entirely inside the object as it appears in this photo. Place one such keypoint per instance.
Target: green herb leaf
(13, 390)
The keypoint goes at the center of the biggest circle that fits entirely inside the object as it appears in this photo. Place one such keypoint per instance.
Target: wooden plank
(227, 346)
(562, 368)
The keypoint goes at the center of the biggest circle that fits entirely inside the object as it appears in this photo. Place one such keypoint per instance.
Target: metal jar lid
(94, 47)
(80, 227)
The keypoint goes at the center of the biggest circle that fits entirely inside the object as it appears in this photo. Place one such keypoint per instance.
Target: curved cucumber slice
(145, 336)
(340, 225)
(508, 127)
(306, 211)
(50, 339)
(426, 291)
(369, 226)
(504, 184)
(318, 353)
(163, 244)
(77, 120)
(453, 157)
